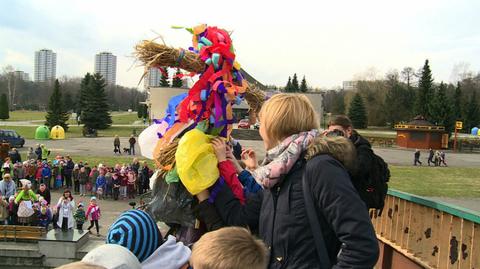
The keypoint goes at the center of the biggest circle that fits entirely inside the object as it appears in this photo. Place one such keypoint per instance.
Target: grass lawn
(76, 131)
(436, 181)
(124, 118)
(26, 115)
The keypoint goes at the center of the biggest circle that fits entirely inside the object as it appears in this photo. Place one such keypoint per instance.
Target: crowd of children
(25, 197)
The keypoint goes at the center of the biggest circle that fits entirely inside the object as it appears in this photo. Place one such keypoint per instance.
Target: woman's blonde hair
(338, 147)
(286, 114)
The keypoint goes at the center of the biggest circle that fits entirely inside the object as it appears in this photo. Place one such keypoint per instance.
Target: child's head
(284, 115)
(112, 256)
(80, 206)
(230, 247)
(7, 177)
(93, 200)
(137, 231)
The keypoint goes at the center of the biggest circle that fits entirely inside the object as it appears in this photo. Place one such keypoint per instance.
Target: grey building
(152, 78)
(21, 75)
(106, 65)
(45, 65)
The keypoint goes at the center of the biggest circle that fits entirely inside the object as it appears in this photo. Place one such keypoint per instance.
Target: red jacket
(229, 174)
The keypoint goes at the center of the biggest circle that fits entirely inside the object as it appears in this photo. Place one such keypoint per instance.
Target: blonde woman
(289, 129)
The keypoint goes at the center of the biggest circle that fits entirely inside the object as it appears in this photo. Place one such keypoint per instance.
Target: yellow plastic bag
(196, 161)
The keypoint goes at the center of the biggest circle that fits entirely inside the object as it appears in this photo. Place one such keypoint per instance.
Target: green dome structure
(42, 133)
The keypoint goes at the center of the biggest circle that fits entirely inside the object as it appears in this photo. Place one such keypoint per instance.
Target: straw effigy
(166, 157)
(153, 54)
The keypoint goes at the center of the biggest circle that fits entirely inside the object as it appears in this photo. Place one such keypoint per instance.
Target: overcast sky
(327, 41)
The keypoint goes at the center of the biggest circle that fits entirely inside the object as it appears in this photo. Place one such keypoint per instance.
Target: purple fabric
(215, 189)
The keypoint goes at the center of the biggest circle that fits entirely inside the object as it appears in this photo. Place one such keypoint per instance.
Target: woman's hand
(249, 157)
(203, 195)
(220, 149)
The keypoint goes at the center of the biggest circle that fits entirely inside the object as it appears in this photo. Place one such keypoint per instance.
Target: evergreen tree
(457, 103)
(164, 77)
(177, 81)
(4, 111)
(142, 111)
(424, 100)
(295, 87)
(472, 113)
(56, 112)
(83, 94)
(68, 102)
(303, 85)
(288, 88)
(357, 112)
(338, 107)
(95, 114)
(441, 109)
(396, 103)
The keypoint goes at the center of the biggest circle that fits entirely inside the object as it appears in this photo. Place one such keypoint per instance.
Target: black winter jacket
(363, 164)
(280, 216)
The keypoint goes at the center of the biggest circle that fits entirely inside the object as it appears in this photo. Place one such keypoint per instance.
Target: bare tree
(460, 72)
(408, 75)
(10, 77)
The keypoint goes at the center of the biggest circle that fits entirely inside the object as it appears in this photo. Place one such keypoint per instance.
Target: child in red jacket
(93, 214)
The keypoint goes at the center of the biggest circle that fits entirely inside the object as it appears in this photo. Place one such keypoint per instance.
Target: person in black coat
(68, 170)
(15, 156)
(360, 173)
(44, 192)
(278, 212)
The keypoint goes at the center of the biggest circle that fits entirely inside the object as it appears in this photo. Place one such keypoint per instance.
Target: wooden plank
(406, 224)
(386, 220)
(466, 244)
(415, 230)
(395, 215)
(444, 245)
(455, 243)
(400, 219)
(475, 252)
(426, 239)
(437, 233)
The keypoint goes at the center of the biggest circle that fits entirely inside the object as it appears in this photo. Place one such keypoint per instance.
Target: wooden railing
(415, 232)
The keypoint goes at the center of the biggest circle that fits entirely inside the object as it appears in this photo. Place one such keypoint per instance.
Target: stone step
(19, 249)
(88, 246)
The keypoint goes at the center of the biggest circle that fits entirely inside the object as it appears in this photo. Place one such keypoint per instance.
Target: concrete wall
(158, 100)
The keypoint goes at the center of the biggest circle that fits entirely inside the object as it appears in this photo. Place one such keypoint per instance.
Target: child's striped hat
(137, 231)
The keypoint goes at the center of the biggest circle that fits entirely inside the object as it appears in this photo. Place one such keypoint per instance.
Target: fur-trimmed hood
(338, 147)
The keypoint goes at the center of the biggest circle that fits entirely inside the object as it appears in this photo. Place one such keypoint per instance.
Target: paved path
(394, 156)
(103, 146)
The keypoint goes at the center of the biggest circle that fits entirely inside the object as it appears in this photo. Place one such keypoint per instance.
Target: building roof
(421, 121)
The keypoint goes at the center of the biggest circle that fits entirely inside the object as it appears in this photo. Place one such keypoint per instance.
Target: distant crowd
(25, 197)
(435, 158)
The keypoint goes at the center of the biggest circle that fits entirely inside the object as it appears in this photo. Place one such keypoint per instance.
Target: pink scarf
(281, 158)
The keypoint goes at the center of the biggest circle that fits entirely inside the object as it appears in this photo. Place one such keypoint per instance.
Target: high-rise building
(45, 65)
(152, 78)
(106, 65)
(349, 85)
(21, 75)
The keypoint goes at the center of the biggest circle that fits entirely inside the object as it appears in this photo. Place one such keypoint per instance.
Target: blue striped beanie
(137, 231)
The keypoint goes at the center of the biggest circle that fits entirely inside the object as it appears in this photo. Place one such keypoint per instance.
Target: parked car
(243, 124)
(12, 137)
